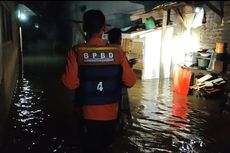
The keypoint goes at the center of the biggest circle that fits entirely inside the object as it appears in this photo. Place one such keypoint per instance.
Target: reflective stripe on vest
(100, 74)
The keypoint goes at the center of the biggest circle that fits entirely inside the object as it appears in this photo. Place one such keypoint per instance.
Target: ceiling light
(197, 9)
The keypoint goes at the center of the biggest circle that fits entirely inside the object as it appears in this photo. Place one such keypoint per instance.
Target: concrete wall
(213, 30)
(9, 61)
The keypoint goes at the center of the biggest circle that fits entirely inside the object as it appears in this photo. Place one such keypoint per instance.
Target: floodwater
(41, 118)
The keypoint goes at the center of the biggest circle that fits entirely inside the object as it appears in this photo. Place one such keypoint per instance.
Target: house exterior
(183, 30)
(9, 58)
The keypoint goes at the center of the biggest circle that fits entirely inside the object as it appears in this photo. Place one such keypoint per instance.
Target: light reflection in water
(179, 111)
(161, 122)
(30, 123)
(28, 112)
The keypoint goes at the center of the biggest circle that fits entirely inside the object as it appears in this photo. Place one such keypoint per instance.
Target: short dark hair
(93, 21)
(114, 36)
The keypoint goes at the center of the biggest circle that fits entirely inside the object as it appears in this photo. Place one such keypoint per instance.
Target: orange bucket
(181, 80)
(220, 47)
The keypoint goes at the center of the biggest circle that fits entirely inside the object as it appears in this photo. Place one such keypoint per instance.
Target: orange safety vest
(100, 73)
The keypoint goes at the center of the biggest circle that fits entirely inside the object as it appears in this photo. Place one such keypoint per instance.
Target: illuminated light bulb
(197, 9)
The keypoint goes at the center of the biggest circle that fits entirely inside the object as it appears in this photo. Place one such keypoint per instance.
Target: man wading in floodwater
(97, 71)
(124, 113)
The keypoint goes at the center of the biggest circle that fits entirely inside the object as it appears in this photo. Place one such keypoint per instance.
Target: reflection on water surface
(163, 121)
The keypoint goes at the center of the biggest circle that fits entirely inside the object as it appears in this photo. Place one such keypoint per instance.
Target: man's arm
(128, 76)
(70, 77)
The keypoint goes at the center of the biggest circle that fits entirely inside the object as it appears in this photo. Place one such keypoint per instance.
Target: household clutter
(207, 59)
(204, 73)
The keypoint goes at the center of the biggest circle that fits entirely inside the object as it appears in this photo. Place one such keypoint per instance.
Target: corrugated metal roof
(167, 5)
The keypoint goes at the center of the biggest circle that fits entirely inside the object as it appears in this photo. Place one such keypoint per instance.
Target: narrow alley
(42, 120)
(180, 52)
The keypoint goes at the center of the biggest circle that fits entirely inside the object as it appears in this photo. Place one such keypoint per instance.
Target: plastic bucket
(203, 63)
(149, 23)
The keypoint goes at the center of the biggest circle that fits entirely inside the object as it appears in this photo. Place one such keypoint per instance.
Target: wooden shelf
(208, 58)
(197, 70)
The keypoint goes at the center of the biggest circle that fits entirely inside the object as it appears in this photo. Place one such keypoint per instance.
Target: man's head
(114, 36)
(93, 22)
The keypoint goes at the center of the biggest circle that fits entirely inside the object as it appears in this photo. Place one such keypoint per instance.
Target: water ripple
(162, 121)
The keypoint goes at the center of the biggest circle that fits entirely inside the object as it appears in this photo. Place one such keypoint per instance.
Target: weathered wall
(226, 36)
(10, 67)
(215, 29)
(205, 36)
(76, 11)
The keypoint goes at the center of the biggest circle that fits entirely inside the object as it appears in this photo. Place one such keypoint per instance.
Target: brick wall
(226, 35)
(215, 29)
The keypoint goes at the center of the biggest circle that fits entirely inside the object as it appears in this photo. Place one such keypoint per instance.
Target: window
(6, 24)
